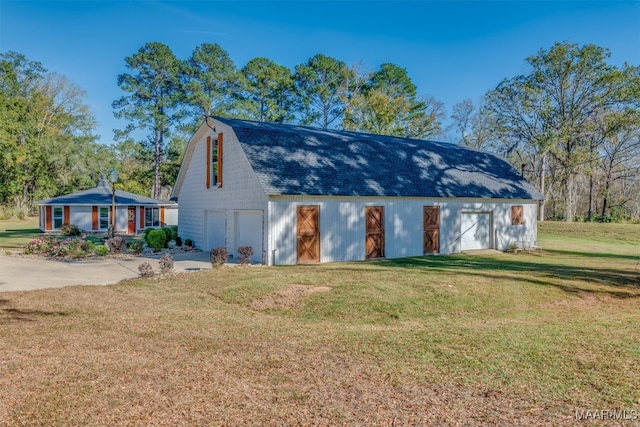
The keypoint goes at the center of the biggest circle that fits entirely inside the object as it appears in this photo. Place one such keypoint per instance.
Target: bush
(116, 245)
(188, 243)
(69, 247)
(145, 269)
(100, 250)
(169, 233)
(219, 256)
(145, 234)
(156, 239)
(166, 263)
(245, 254)
(70, 230)
(135, 248)
(39, 246)
(178, 241)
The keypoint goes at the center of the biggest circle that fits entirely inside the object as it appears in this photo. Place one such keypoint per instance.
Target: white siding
(249, 232)
(81, 216)
(342, 225)
(240, 189)
(170, 215)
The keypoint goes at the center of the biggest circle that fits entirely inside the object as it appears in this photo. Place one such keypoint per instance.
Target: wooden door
(431, 226)
(374, 217)
(131, 220)
(308, 234)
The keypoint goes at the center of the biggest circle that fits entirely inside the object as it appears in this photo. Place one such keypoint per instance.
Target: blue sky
(452, 50)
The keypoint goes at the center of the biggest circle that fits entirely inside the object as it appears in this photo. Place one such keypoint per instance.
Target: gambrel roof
(101, 195)
(299, 160)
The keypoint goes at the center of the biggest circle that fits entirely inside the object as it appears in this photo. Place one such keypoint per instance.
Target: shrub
(69, 230)
(145, 269)
(166, 263)
(245, 254)
(168, 232)
(69, 247)
(219, 256)
(156, 239)
(116, 245)
(145, 234)
(188, 243)
(135, 248)
(100, 250)
(178, 241)
(39, 245)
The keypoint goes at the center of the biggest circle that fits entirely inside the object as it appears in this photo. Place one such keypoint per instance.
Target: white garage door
(248, 231)
(216, 226)
(476, 231)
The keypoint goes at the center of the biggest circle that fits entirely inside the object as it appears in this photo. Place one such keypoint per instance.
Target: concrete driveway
(25, 274)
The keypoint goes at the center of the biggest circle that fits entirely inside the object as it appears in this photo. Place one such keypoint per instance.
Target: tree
(552, 109)
(154, 94)
(321, 86)
(210, 79)
(387, 104)
(47, 144)
(473, 124)
(267, 90)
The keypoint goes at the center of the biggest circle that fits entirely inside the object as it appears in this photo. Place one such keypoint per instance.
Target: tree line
(571, 124)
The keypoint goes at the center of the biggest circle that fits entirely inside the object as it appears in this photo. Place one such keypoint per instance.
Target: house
(304, 195)
(90, 211)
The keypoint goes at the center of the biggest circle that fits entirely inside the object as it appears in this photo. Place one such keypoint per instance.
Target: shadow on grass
(10, 314)
(622, 283)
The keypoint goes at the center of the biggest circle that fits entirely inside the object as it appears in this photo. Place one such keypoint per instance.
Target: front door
(431, 225)
(308, 234)
(131, 220)
(374, 216)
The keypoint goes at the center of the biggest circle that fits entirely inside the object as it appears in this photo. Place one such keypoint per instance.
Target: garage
(475, 230)
(248, 232)
(216, 226)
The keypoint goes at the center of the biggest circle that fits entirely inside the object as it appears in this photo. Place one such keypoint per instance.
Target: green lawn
(14, 233)
(504, 339)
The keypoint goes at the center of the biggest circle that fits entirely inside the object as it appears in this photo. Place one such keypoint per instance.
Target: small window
(104, 218)
(152, 217)
(214, 162)
(57, 217)
(517, 217)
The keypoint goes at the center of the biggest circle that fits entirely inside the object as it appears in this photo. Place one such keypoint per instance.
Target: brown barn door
(431, 225)
(131, 220)
(308, 234)
(374, 215)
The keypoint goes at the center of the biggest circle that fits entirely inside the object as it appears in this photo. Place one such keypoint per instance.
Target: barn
(305, 195)
(91, 211)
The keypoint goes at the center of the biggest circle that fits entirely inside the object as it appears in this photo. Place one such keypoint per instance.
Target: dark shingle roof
(298, 160)
(101, 195)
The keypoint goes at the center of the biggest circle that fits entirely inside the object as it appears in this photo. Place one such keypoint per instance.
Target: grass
(15, 233)
(505, 339)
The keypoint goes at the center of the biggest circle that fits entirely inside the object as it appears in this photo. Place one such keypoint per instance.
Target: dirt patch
(290, 297)
(584, 299)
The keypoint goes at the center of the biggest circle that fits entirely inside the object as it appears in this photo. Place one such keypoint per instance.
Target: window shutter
(48, 219)
(162, 216)
(94, 217)
(66, 215)
(141, 217)
(220, 160)
(208, 159)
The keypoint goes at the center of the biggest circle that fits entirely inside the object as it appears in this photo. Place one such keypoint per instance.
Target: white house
(91, 211)
(301, 195)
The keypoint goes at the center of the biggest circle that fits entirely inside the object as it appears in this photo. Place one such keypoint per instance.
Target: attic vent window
(214, 162)
(517, 215)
